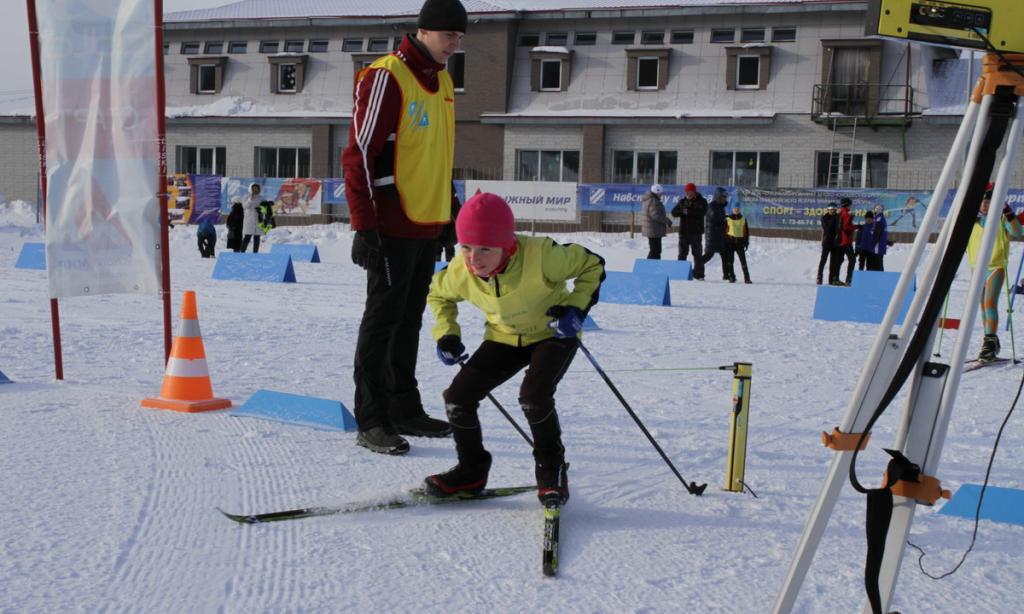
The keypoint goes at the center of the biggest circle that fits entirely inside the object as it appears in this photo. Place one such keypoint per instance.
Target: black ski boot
(465, 477)
(423, 425)
(382, 441)
(552, 483)
(989, 349)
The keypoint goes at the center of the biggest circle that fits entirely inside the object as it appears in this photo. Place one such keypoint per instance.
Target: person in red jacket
(846, 230)
(398, 171)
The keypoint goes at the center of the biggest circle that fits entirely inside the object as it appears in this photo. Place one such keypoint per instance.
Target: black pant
(728, 262)
(447, 251)
(835, 262)
(389, 333)
(491, 365)
(206, 244)
(694, 243)
(874, 262)
(851, 261)
(709, 253)
(654, 248)
(255, 243)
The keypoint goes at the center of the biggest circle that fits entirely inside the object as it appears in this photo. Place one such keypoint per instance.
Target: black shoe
(732, 280)
(423, 426)
(382, 441)
(699, 278)
(989, 349)
(552, 484)
(469, 477)
(747, 281)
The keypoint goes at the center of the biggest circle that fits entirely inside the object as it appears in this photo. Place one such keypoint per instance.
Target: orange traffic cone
(187, 384)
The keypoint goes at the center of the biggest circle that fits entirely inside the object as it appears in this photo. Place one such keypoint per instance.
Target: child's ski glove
(366, 248)
(568, 321)
(450, 350)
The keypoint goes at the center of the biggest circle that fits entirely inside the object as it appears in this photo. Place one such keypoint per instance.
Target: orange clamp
(927, 490)
(843, 442)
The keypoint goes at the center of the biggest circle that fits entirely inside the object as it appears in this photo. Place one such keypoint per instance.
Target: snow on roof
(238, 106)
(551, 50)
(645, 113)
(283, 9)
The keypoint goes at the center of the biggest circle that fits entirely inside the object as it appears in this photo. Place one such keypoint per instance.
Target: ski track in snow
(109, 507)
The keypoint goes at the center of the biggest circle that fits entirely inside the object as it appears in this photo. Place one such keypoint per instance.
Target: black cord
(999, 53)
(981, 496)
(748, 489)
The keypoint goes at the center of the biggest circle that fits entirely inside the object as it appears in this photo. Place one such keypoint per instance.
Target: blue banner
(205, 198)
(334, 191)
(803, 208)
(624, 198)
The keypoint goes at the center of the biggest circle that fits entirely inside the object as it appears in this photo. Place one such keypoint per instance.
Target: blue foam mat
(254, 267)
(324, 414)
(32, 256)
(4, 379)
(440, 265)
(590, 324)
(865, 301)
(675, 269)
(635, 288)
(1000, 504)
(300, 252)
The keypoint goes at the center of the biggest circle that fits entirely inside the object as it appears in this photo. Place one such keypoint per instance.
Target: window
(748, 169)
(586, 38)
(381, 45)
(747, 68)
(214, 47)
(294, 46)
(317, 46)
(189, 48)
(206, 74)
(238, 47)
(556, 39)
(201, 160)
(547, 165)
(550, 75)
(851, 170)
(646, 69)
(282, 162)
(207, 79)
(682, 37)
(644, 166)
(549, 70)
(529, 40)
(652, 38)
(722, 35)
(752, 35)
(849, 69)
(457, 70)
(783, 35)
(623, 38)
(352, 45)
(747, 72)
(269, 46)
(287, 73)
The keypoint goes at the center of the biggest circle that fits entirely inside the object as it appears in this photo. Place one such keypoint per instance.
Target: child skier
(1010, 227)
(533, 321)
(737, 239)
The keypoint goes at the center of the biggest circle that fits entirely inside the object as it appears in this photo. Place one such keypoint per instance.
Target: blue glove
(568, 321)
(450, 350)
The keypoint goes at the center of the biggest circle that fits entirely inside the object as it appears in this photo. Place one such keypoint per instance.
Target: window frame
(652, 37)
(219, 157)
(716, 35)
(234, 45)
(279, 70)
(777, 39)
(585, 42)
(543, 55)
(293, 46)
(348, 44)
(558, 66)
(657, 65)
(633, 59)
(528, 39)
(758, 169)
(318, 45)
(198, 65)
(383, 45)
(213, 48)
(746, 59)
(210, 70)
(659, 173)
(864, 170)
(618, 37)
(685, 40)
(551, 39)
(277, 64)
(753, 35)
(539, 167)
(257, 170)
(189, 48)
(269, 46)
(732, 73)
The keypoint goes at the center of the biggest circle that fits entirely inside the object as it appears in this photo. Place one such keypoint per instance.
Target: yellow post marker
(736, 467)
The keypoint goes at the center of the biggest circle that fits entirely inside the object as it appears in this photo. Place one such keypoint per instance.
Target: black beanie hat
(845, 202)
(442, 15)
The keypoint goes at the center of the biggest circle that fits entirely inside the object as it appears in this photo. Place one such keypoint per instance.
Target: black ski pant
(491, 365)
(874, 262)
(206, 245)
(255, 243)
(835, 263)
(728, 261)
(851, 262)
(389, 333)
(709, 252)
(654, 248)
(694, 243)
(826, 252)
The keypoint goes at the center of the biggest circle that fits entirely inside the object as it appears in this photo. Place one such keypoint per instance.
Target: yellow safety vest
(734, 228)
(424, 144)
(999, 250)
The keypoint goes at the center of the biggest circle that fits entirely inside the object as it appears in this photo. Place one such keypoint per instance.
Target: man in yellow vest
(398, 171)
(996, 274)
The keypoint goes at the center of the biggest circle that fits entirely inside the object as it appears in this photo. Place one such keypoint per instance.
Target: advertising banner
(803, 208)
(98, 80)
(624, 198)
(532, 200)
(294, 196)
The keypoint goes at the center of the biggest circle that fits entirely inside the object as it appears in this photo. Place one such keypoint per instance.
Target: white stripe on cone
(182, 367)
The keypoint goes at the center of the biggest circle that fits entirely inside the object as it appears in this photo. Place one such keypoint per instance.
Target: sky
(17, 75)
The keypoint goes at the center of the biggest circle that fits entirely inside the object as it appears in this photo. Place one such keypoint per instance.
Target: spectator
(206, 237)
(846, 230)
(883, 244)
(865, 241)
(691, 210)
(829, 244)
(234, 225)
(250, 230)
(737, 240)
(654, 224)
(265, 216)
(714, 232)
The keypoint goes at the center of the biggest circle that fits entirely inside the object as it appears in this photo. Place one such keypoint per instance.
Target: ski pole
(462, 363)
(942, 328)
(1009, 318)
(691, 487)
(1013, 293)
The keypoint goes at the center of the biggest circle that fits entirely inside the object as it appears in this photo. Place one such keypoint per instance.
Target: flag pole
(165, 244)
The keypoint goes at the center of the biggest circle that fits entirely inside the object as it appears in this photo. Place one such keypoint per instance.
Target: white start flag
(98, 70)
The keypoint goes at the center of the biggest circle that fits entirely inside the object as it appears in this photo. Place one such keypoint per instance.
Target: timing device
(951, 24)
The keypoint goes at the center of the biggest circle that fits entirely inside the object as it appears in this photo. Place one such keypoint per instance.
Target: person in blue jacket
(206, 238)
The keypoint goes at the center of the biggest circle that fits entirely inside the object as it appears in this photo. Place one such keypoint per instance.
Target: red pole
(165, 240)
(37, 85)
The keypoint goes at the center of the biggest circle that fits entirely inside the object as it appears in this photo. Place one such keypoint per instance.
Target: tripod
(895, 356)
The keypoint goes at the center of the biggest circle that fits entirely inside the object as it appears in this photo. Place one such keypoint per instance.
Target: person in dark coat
(206, 238)
(737, 239)
(714, 228)
(234, 225)
(691, 210)
(654, 224)
(846, 230)
(829, 243)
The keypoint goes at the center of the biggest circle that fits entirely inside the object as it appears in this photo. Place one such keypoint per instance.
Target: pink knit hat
(486, 220)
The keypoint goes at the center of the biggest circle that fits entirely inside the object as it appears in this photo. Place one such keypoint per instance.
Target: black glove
(450, 350)
(366, 248)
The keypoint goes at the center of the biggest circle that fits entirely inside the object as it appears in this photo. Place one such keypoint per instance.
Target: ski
(552, 515)
(975, 364)
(415, 497)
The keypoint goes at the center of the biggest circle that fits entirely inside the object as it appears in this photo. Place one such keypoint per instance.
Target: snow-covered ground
(109, 507)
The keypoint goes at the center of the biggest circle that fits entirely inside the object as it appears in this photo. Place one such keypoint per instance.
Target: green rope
(722, 368)
(942, 329)
(1009, 317)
